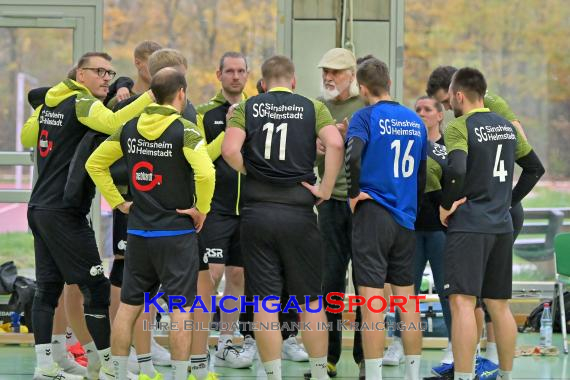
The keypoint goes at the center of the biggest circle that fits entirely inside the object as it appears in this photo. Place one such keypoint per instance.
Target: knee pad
(116, 275)
(47, 296)
(96, 294)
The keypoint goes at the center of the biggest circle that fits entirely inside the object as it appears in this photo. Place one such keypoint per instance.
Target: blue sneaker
(442, 369)
(486, 369)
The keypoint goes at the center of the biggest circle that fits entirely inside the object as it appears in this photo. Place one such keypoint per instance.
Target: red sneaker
(76, 350)
(82, 360)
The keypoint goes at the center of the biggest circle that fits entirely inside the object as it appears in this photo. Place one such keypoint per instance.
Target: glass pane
(525, 62)
(29, 58)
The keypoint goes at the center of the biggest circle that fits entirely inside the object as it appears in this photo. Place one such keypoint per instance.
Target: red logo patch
(147, 177)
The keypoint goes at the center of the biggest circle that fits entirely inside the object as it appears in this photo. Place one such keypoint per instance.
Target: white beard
(329, 94)
(334, 93)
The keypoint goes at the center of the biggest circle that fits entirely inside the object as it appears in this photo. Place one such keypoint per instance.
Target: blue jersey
(395, 142)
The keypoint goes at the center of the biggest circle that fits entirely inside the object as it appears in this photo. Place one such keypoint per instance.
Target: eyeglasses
(101, 71)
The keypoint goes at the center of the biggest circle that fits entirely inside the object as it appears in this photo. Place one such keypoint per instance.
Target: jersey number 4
(282, 130)
(407, 160)
(499, 167)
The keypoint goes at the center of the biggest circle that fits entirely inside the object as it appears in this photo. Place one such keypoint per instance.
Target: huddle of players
(271, 138)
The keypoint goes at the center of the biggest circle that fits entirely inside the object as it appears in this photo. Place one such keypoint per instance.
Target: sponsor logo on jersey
(44, 144)
(143, 177)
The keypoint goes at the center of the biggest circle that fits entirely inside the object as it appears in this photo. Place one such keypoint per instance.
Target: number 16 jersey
(492, 145)
(395, 141)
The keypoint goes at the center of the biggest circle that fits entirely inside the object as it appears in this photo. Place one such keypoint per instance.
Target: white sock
(199, 366)
(373, 368)
(319, 368)
(491, 348)
(105, 357)
(120, 367)
(145, 364)
(273, 369)
(180, 369)
(58, 347)
(504, 375)
(413, 367)
(462, 376)
(91, 353)
(478, 350)
(44, 356)
(70, 338)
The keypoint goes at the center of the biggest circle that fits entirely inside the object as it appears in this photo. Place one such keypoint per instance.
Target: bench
(536, 240)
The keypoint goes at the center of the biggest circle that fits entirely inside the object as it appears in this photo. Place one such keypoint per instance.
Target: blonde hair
(144, 49)
(165, 58)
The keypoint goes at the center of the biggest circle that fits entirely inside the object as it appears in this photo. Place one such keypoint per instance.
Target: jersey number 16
(407, 160)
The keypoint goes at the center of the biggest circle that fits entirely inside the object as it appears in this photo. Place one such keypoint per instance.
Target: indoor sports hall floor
(17, 363)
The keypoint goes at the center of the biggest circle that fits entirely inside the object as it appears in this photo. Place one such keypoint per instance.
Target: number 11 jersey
(279, 151)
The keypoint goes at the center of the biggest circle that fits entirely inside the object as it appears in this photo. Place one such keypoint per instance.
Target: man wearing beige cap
(339, 91)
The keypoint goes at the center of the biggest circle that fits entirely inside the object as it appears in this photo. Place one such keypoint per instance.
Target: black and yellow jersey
(211, 122)
(492, 145)
(168, 168)
(57, 127)
(428, 214)
(279, 149)
(499, 106)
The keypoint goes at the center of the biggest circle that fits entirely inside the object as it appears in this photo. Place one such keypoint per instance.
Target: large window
(520, 47)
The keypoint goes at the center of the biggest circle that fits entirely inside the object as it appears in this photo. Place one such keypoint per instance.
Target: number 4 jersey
(492, 146)
(395, 141)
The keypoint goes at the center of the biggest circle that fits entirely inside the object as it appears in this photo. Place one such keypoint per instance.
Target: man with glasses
(64, 242)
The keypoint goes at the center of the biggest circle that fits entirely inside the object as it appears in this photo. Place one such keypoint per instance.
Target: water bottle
(16, 322)
(546, 327)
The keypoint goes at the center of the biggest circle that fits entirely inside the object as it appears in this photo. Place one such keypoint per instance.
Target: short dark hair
(72, 73)
(438, 106)
(440, 78)
(144, 49)
(277, 67)
(231, 54)
(365, 58)
(166, 83)
(374, 74)
(469, 81)
(85, 58)
(259, 88)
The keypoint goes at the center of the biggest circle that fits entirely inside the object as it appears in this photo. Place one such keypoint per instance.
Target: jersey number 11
(282, 130)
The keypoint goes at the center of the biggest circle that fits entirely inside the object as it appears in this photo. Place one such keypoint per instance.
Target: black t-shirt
(428, 214)
(279, 149)
(492, 145)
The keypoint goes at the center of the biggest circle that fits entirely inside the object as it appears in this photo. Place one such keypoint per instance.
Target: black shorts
(119, 232)
(219, 241)
(479, 264)
(169, 261)
(382, 250)
(65, 247)
(283, 250)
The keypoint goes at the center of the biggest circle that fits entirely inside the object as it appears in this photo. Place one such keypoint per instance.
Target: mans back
(491, 148)
(279, 149)
(396, 143)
